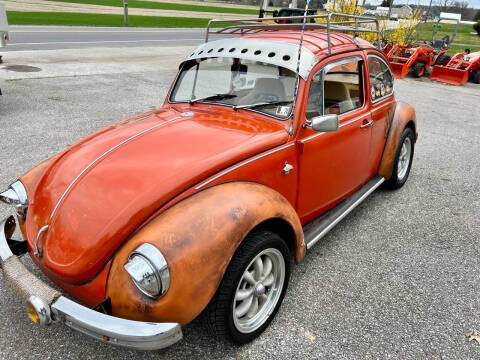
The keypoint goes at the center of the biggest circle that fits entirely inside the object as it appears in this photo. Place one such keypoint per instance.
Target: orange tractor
(460, 68)
(419, 56)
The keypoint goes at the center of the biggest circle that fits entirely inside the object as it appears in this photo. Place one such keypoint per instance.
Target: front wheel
(252, 289)
(403, 159)
(418, 69)
(443, 60)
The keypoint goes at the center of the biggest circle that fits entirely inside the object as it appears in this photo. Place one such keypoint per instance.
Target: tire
(476, 78)
(418, 69)
(219, 317)
(401, 168)
(443, 60)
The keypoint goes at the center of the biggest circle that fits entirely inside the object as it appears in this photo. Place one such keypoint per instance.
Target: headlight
(16, 195)
(149, 270)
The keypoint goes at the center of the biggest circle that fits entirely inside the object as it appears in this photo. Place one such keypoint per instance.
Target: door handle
(367, 124)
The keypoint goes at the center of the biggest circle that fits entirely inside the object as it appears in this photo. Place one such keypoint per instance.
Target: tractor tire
(443, 60)
(418, 69)
(476, 78)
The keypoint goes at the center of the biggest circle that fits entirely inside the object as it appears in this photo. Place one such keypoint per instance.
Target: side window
(336, 89)
(381, 79)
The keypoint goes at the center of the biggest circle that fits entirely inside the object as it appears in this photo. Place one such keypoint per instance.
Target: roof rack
(352, 23)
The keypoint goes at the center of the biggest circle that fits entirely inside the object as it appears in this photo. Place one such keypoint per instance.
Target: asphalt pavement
(80, 37)
(397, 278)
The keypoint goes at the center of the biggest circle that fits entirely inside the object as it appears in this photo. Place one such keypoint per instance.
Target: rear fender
(403, 116)
(198, 236)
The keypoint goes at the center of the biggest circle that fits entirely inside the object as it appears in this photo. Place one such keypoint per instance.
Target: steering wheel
(446, 40)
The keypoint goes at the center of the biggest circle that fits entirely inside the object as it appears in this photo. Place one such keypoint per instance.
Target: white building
(402, 12)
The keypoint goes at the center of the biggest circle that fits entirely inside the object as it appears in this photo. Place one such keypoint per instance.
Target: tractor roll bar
(352, 23)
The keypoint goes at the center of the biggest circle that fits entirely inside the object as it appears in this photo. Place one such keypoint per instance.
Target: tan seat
(338, 92)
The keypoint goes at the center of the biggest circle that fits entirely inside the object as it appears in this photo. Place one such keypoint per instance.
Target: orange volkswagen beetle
(201, 207)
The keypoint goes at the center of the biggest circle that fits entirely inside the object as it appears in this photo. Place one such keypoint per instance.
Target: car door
(332, 165)
(382, 107)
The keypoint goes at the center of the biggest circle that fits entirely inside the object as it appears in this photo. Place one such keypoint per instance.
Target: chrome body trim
(16, 196)
(373, 184)
(7, 227)
(37, 238)
(102, 156)
(346, 60)
(324, 70)
(116, 331)
(113, 330)
(42, 309)
(284, 54)
(382, 106)
(243, 164)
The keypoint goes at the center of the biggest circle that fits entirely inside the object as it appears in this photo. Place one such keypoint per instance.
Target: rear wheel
(418, 69)
(403, 160)
(476, 78)
(443, 60)
(252, 289)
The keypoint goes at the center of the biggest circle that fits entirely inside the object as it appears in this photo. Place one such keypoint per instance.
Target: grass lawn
(424, 32)
(163, 5)
(78, 19)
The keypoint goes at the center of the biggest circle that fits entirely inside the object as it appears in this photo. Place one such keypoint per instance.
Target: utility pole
(125, 12)
(428, 11)
(390, 9)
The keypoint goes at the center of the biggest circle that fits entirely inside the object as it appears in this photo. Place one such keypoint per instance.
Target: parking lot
(397, 278)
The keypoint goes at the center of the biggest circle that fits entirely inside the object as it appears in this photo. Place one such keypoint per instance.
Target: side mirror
(325, 123)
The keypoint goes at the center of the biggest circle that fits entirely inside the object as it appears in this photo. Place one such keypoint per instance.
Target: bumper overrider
(46, 306)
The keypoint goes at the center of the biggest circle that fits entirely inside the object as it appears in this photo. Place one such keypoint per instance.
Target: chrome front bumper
(55, 308)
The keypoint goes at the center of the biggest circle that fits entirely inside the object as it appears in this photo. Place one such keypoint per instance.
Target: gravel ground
(398, 278)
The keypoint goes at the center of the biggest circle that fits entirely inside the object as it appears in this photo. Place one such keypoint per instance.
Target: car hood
(100, 190)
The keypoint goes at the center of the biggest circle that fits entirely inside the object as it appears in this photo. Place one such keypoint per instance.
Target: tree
(445, 4)
(477, 16)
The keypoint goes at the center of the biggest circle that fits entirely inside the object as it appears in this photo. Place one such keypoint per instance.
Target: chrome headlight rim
(16, 196)
(157, 263)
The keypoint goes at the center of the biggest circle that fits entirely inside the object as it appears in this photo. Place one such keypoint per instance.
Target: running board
(318, 228)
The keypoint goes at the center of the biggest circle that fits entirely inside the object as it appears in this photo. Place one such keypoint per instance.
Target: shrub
(402, 35)
(477, 27)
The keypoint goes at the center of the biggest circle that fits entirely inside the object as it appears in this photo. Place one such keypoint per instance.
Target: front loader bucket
(399, 70)
(449, 75)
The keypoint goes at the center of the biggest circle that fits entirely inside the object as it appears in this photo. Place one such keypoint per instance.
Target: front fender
(403, 116)
(197, 236)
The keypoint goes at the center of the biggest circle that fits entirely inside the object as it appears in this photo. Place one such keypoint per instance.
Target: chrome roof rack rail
(351, 23)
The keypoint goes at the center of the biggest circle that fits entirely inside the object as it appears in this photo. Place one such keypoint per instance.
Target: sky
(473, 3)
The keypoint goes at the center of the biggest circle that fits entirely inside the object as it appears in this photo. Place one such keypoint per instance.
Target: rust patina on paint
(403, 116)
(198, 246)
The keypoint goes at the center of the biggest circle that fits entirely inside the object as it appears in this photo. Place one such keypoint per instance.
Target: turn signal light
(32, 313)
(38, 311)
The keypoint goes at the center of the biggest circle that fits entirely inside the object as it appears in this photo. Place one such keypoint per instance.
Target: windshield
(242, 84)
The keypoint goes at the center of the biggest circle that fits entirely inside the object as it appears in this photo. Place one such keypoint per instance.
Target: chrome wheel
(259, 290)
(404, 159)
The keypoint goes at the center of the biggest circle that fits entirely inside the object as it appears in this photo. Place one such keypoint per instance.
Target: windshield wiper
(212, 97)
(236, 107)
